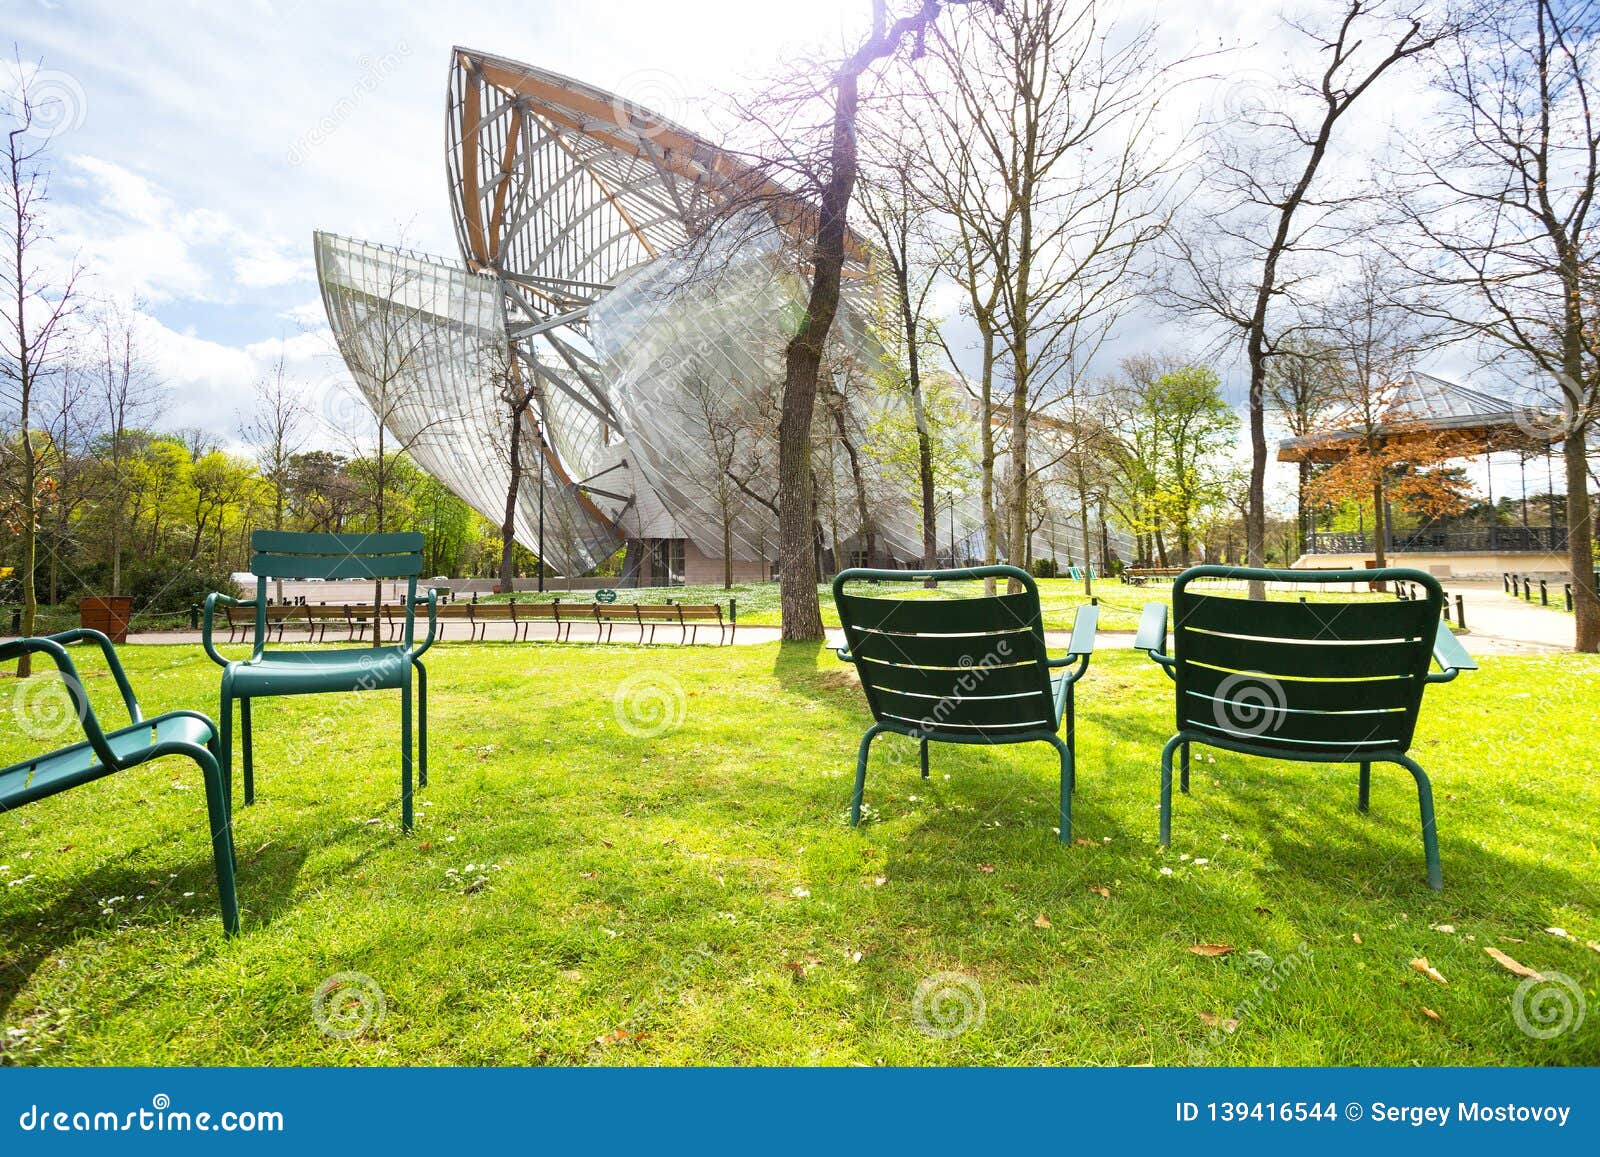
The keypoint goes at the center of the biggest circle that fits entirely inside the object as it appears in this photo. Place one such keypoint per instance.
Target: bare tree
(1503, 193)
(802, 616)
(1261, 210)
(891, 206)
(1301, 383)
(130, 395)
(276, 433)
(39, 304)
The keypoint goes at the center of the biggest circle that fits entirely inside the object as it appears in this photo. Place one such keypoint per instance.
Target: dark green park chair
(185, 733)
(971, 670)
(281, 554)
(1324, 682)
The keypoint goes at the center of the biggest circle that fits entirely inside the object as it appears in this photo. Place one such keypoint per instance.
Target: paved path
(1497, 624)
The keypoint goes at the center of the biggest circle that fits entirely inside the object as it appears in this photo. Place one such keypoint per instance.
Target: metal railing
(1545, 539)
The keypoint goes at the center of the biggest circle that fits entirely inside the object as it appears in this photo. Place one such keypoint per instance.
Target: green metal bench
(185, 733)
(281, 554)
(1332, 682)
(972, 670)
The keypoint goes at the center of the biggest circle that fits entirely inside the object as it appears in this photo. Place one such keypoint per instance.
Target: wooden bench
(1139, 575)
(687, 617)
(318, 617)
(242, 620)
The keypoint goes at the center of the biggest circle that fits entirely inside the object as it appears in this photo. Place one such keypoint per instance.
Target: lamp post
(541, 524)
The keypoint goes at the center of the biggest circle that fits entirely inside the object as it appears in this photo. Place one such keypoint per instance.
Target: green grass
(1120, 606)
(576, 894)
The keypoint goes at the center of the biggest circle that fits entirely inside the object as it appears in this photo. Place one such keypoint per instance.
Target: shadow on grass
(31, 937)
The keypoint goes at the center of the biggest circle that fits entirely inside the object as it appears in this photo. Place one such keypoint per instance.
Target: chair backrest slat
(286, 554)
(964, 669)
(1343, 676)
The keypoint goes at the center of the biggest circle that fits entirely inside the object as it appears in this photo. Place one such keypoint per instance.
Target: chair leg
(422, 723)
(1068, 780)
(222, 853)
(405, 752)
(225, 741)
(1072, 731)
(249, 754)
(1364, 793)
(1430, 832)
(861, 772)
(1166, 786)
(1183, 773)
(924, 745)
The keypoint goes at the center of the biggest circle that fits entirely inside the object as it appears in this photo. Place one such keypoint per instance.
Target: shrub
(162, 586)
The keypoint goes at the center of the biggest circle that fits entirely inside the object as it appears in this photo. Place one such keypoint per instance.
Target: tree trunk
(1580, 542)
(508, 528)
(991, 522)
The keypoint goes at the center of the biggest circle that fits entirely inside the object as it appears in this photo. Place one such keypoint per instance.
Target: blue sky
(201, 144)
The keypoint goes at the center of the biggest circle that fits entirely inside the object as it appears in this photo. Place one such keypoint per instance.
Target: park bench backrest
(1295, 677)
(965, 670)
(290, 555)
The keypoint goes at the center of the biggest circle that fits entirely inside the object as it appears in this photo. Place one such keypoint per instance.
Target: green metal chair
(185, 733)
(1327, 682)
(281, 554)
(962, 670)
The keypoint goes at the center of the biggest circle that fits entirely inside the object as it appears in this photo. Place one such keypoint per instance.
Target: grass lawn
(578, 892)
(1120, 606)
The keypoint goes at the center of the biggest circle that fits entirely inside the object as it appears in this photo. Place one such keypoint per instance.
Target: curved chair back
(1339, 679)
(282, 554)
(967, 670)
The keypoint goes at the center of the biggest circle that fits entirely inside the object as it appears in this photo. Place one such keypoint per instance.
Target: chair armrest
(844, 654)
(55, 646)
(1451, 656)
(433, 619)
(1081, 645)
(213, 600)
(1152, 636)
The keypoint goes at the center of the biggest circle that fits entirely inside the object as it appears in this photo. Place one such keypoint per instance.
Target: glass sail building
(637, 285)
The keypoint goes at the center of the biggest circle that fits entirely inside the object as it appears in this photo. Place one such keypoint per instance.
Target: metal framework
(643, 282)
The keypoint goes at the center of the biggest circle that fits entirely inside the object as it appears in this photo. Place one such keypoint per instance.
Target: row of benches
(315, 619)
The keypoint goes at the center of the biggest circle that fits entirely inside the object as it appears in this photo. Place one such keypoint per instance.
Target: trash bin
(107, 614)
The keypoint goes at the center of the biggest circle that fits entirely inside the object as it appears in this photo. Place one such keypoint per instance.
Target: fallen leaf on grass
(607, 843)
(1421, 965)
(1512, 966)
(1562, 933)
(1431, 1015)
(1260, 911)
(1225, 1023)
(1448, 929)
(1100, 890)
(1211, 949)
(619, 1036)
(986, 869)
(1041, 921)
(857, 957)
(1594, 946)
(1356, 936)
(571, 974)
(1083, 843)
(879, 881)
(800, 893)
